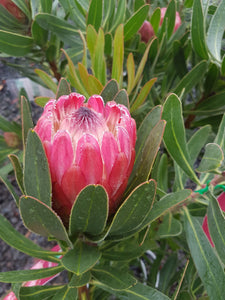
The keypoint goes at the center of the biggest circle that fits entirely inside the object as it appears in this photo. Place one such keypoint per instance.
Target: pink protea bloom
(87, 143)
(146, 31)
(177, 19)
(205, 227)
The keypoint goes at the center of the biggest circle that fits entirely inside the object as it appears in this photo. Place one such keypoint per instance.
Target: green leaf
(155, 19)
(78, 281)
(191, 78)
(149, 122)
(211, 106)
(162, 173)
(207, 264)
(220, 137)
(169, 227)
(212, 158)
(110, 90)
(63, 29)
(216, 223)
(95, 14)
(18, 241)
(91, 40)
(130, 72)
(143, 94)
(73, 8)
(28, 275)
(135, 21)
(17, 170)
(38, 292)
(223, 66)
(11, 189)
(63, 88)
(90, 211)
(47, 80)
(169, 202)
(66, 293)
(119, 16)
(144, 162)
(99, 64)
(134, 209)
(37, 179)
(15, 44)
(26, 117)
(81, 258)
(118, 54)
(174, 135)
(39, 34)
(216, 31)
(114, 278)
(198, 30)
(41, 101)
(41, 219)
(122, 98)
(137, 292)
(168, 20)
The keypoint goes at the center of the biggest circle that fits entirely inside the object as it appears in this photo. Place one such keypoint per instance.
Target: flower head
(13, 9)
(87, 143)
(146, 31)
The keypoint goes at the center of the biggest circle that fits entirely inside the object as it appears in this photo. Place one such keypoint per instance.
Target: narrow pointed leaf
(137, 292)
(15, 44)
(47, 80)
(212, 158)
(191, 78)
(38, 292)
(18, 241)
(145, 161)
(122, 98)
(27, 122)
(143, 94)
(78, 281)
(135, 21)
(134, 209)
(99, 65)
(63, 88)
(216, 31)
(28, 275)
(216, 223)
(81, 258)
(174, 135)
(114, 278)
(18, 171)
(207, 264)
(41, 101)
(37, 181)
(90, 211)
(198, 30)
(130, 72)
(95, 14)
(66, 293)
(110, 90)
(118, 54)
(41, 219)
(63, 29)
(169, 227)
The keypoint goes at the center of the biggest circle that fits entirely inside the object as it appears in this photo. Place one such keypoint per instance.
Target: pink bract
(87, 143)
(205, 227)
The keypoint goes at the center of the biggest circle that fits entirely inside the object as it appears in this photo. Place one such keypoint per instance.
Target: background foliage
(174, 87)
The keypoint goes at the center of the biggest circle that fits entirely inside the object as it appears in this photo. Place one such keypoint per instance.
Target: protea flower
(146, 31)
(221, 201)
(87, 143)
